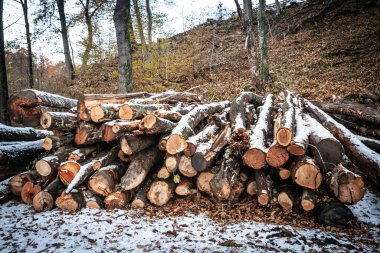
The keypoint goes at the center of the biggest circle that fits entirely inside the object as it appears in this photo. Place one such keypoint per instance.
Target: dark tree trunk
(65, 39)
(264, 70)
(238, 9)
(278, 7)
(4, 118)
(150, 20)
(122, 17)
(90, 34)
(24, 4)
(139, 23)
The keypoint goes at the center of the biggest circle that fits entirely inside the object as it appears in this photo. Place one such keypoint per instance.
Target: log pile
(137, 149)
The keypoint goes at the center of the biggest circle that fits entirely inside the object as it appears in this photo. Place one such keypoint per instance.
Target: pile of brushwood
(118, 150)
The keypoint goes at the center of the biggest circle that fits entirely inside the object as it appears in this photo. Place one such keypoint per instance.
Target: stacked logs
(140, 148)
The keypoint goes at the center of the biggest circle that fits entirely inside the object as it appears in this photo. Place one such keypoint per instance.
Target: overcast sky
(181, 16)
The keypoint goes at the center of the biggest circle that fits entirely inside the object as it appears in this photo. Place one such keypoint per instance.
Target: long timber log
(8, 133)
(63, 121)
(45, 199)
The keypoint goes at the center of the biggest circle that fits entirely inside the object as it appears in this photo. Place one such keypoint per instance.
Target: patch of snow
(205, 133)
(239, 123)
(367, 209)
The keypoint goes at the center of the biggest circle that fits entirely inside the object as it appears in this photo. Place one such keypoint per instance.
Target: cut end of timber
(67, 171)
(159, 193)
(147, 122)
(254, 158)
(81, 137)
(93, 204)
(47, 144)
(263, 199)
(175, 144)
(284, 136)
(138, 204)
(125, 112)
(68, 203)
(203, 182)
(284, 173)
(43, 168)
(285, 201)
(252, 188)
(115, 200)
(43, 201)
(277, 156)
(352, 192)
(296, 149)
(190, 149)
(29, 191)
(308, 176)
(307, 205)
(97, 113)
(186, 168)
(126, 144)
(45, 120)
(123, 157)
(101, 184)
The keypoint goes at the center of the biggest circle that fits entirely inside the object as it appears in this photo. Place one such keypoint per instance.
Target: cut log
(285, 198)
(185, 187)
(27, 106)
(139, 168)
(20, 152)
(54, 142)
(306, 174)
(104, 181)
(123, 157)
(59, 120)
(152, 124)
(359, 111)
(71, 202)
(300, 141)
(169, 96)
(277, 156)
(371, 143)
(88, 133)
(132, 144)
(185, 167)
(48, 165)
(308, 200)
(203, 182)
(125, 126)
(284, 134)
(375, 133)
(263, 193)
(45, 199)
(163, 173)
(92, 201)
(252, 187)
(87, 101)
(140, 200)
(237, 189)
(240, 136)
(346, 186)
(118, 199)
(327, 150)
(255, 157)
(172, 162)
(176, 142)
(8, 133)
(68, 170)
(29, 191)
(284, 173)
(16, 183)
(108, 134)
(160, 192)
(366, 159)
(202, 136)
(81, 154)
(104, 112)
(130, 111)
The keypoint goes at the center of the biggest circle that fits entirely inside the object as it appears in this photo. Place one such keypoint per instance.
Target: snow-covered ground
(91, 230)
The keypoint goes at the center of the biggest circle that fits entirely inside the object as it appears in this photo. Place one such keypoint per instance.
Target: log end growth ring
(125, 112)
(284, 136)
(254, 158)
(96, 113)
(308, 176)
(175, 144)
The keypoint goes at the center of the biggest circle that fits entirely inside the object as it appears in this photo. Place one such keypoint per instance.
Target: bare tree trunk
(24, 4)
(139, 23)
(238, 9)
(150, 21)
(122, 17)
(4, 118)
(278, 8)
(250, 45)
(264, 70)
(65, 40)
(90, 33)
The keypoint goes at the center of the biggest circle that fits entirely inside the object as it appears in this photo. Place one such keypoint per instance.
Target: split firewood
(185, 187)
(131, 111)
(71, 202)
(365, 158)
(88, 133)
(104, 112)
(207, 155)
(45, 199)
(16, 183)
(124, 126)
(119, 198)
(163, 173)
(87, 101)
(8, 133)
(48, 165)
(20, 152)
(251, 187)
(30, 190)
(240, 136)
(255, 157)
(203, 182)
(54, 142)
(284, 134)
(202, 136)
(371, 143)
(152, 124)
(176, 142)
(27, 106)
(140, 200)
(139, 168)
(131, 144)
(346, 186)
(359, 111)
(263, 194)
(306, 173)
(59, 120)
(92, 201)
(160, 192)
(375, 133)
(285, 198)
(185, 167)
(308, 200)
(81, 154)
(327, 150)
(104, 181)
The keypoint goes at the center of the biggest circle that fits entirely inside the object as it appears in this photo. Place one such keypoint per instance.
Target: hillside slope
(316, 50)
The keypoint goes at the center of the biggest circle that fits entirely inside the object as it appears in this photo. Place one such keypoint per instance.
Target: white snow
(239, 124)
(289, 114)
(302, 128)
(367, 209)
(205, 133)
(79, 176)
(318, 128)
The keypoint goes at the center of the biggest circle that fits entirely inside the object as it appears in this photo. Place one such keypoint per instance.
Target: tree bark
(88, 133)
(45, 199)
(152, 124)
(150, 20)
(375, 133)
(20, 152)
(264, 69)
(8, 133)
(308, 200)
(4, 117)
(65, 39)
(140, 200)
(122, 17)
(63, 121)
(278, 8)
(54, 142)
(81, 154)
(197, 139)
(139, 24)
(125, 126)
(263, 193)
(371, 143)
(238, 10)
(48, 166)
(24, 4)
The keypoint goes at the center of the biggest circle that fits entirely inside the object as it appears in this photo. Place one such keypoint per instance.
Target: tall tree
(65, 39)
(139, 23)
(264, 69)
(238, 9)
(24, 5)
(278, 8)
(250, 44)
(4, 118)
(150, 20)
(122, 18)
